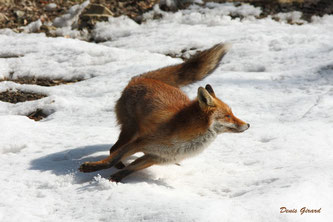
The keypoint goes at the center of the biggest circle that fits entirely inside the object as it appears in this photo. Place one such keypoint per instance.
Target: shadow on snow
(68, 161)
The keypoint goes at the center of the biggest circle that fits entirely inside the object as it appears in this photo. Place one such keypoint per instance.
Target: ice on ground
(33, 26)
(115, 28)
(70, 18)
(50, 7)
(277, 77)
(292, 17)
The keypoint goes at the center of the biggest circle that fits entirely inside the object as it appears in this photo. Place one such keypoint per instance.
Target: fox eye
(227, 116)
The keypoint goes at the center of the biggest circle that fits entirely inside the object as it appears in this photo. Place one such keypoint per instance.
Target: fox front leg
(138, 164)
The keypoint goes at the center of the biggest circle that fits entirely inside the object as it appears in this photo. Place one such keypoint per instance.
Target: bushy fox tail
(196, 68)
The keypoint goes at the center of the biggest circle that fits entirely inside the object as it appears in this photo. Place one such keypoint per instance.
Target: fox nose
(243, 127)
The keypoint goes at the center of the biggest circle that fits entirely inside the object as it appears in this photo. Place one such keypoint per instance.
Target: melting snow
(277, 77)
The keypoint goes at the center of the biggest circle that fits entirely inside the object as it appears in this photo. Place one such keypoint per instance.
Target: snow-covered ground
(278, 77)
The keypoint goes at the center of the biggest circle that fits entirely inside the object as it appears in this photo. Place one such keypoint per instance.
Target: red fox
(158, 119)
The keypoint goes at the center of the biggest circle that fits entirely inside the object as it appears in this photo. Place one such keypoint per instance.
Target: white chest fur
(180, 150)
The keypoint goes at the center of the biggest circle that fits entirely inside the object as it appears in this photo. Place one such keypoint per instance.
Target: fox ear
(209, 88)
(204, 98)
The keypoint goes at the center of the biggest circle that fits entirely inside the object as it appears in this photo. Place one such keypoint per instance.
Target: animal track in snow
(265, 181)
(266, 139)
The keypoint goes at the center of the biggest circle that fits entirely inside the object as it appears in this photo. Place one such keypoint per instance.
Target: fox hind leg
(88, 167)
(126, 136)
(114, 158)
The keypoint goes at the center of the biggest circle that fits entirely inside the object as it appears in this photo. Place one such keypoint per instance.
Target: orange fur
(158, 119)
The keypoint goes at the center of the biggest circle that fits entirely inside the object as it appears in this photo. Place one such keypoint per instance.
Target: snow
(294, 16)
(33, 26)
(71, 16)
(277, 77)
(51, 7)
(115, 28)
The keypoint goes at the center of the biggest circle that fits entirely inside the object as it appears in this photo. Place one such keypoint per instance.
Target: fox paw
(114, 178)
(89, 167)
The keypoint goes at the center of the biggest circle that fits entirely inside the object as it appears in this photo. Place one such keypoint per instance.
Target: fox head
(222, 119)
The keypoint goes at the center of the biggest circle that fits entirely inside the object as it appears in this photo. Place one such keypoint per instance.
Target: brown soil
(132, 8)
(307, 7)
(37, 115)
(22, 12)
(41, 81)
(17, 96)
(18, 13)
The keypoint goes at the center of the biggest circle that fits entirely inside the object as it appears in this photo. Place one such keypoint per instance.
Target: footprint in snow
(265, 181)
(266, 139)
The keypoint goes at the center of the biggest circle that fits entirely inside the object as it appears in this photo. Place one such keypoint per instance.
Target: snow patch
(71, 17)
(12, 148)
(33, 26)
(276, 76)
(115, 28)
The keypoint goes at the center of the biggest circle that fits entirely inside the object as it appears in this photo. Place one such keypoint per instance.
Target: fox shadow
(68, 161)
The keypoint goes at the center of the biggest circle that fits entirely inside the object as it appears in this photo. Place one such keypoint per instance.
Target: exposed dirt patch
(271, 7)
(132, 8)
(41, 81)
(9, 56)
(16, 96)
(16, 13)
(37, 115)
